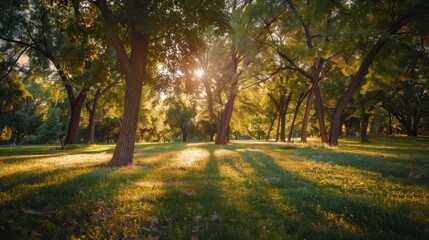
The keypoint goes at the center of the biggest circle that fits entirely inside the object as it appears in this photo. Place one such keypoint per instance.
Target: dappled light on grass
(235, 191)
(39, 163)
(357, 183)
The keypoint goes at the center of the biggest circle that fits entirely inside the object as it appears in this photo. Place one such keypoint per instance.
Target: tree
(154, 29)
(92, 105)
(51, 40)
(281, 101)
(382, 22)
(226, 62)
(409, 106)
(312, 22)
(52, 128)
(180, 115)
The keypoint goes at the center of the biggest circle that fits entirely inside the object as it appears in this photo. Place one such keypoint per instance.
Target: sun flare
(199, 73)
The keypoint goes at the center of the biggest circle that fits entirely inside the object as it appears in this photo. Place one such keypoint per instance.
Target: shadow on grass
(388, 167)
(316, 204)
(67, 202)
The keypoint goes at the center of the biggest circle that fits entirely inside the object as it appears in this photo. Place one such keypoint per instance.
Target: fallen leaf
(154, 222)
(318, 227)
(194, 238)
(102, 213)
(189, 193)
(215, 217)
(34, 212)
(196, 218)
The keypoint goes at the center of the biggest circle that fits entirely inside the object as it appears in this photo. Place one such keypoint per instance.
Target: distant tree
(52, 128)
(409, 106)
(180, 115)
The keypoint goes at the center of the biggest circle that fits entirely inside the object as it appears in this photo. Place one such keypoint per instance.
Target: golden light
(199, 73)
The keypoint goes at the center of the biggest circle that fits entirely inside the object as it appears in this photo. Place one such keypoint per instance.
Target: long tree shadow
(386, 166)
(191, 206)
(316, 203)
(68, 202)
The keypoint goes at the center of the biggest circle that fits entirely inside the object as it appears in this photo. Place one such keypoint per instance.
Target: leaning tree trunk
(284, 104)
(306, 117)
(360, 75)
(298, 105)
(272, 124)
(93, 110)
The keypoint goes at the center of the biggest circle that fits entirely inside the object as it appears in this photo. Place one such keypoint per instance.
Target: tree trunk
(134, 67)
(364, 119)
(272, 124)
(319, 112)
(298, 105)
(75, 114)
(278, 129)
(223, 126)
(223, 122)
(306, 117)
(282, 120)
(184, 136)
(92, 118)
(93, 111)
(390, 127)
(124, 150)
(360, 75)
(18, 137)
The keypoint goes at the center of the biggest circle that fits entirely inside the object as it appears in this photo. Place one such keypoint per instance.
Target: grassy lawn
(245, 190)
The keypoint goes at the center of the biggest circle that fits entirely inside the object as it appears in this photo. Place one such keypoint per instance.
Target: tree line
(154, 70)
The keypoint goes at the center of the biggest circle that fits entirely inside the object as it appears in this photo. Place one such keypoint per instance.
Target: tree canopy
(215, 70)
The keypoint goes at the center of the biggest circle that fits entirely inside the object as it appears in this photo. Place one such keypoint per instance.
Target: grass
(245, 190)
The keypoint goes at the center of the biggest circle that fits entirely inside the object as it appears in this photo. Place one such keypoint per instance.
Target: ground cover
(244, 190)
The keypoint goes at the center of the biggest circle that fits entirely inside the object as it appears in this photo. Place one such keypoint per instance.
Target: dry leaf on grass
(196, 218)
(215, 217)
(194, 238)
(102, 213)
(154, 222)
(35, 212)
(190, 193)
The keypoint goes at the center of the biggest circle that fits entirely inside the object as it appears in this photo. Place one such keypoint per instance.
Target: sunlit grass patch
(244, 190)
